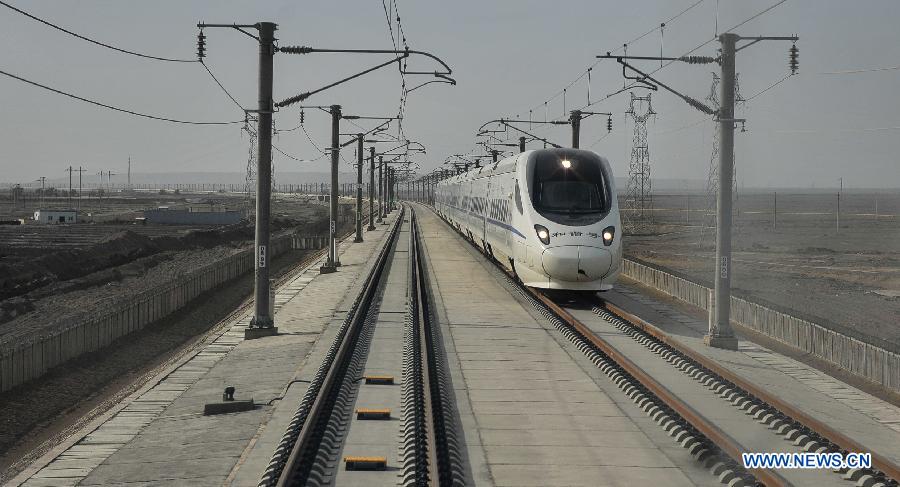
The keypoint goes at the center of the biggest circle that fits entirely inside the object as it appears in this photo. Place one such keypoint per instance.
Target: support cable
(92, 41)
(123, 110)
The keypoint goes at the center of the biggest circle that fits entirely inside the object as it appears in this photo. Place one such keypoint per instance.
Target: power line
(858, 71)
(782, 80)
(295, 158)
(123, 110)
(92, 41)
(222, 87)
(645, 34)
(311, 141)
(668, 63)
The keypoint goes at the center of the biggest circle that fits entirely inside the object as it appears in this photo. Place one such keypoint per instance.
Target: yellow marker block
(365, 463)
(379, 379)
(369, 413)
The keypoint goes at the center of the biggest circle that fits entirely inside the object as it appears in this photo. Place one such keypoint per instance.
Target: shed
(46, 216)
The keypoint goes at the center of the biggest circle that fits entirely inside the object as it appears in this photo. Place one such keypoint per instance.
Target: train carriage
(551, 216)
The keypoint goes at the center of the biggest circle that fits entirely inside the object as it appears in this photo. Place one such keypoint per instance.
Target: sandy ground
(45, 409)
(849, 276)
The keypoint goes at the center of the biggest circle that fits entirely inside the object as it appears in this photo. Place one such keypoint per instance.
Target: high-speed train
(551, 216)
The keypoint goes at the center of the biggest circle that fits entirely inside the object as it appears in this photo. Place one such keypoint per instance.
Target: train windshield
(569, 184)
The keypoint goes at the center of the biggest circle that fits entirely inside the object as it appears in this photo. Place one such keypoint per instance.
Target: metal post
(359, 184)
(263, 323)
(720, 334)
(775, 211)
(837, 212)
(70, 187)
(522, 144)
(80, 170)
(332, 264)
(575, 119)
(371, 189)
(391, 189)
(381, 214)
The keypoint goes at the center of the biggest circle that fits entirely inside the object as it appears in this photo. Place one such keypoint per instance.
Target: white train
(551, 216)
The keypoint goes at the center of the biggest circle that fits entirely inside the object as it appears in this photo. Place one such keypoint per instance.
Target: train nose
(576, 262)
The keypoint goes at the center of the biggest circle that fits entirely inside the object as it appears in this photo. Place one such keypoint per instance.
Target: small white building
(55, 216)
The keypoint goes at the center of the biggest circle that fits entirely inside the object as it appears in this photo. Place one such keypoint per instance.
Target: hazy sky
(507, 56)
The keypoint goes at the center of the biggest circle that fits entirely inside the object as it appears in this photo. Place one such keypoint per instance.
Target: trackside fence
(23, 362)
(871, 358)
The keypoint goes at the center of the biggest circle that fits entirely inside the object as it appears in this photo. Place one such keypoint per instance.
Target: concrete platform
(159, 435)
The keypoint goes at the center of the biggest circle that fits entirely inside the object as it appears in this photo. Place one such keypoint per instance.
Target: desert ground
(802, 261)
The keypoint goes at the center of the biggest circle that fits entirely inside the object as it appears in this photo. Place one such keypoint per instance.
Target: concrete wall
(876, 362)
(28, 361)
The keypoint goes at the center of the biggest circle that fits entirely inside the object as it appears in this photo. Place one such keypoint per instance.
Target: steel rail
(722, 440)
(301, 450)
(425, 350)
(879, 462)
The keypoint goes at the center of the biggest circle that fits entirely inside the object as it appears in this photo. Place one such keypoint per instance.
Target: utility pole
(371, 189)
(522, 144)
(332, 263)
(575, 119)
(775, 211)
(390, 189)
(80, 171)
(720, 334)
(359, 185)
(263, 323)
(381, 206)
(42, 179)
(70, 186)
(837, 212)
(129, 173)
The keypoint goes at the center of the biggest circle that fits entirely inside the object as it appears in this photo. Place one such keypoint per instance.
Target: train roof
(503, 166)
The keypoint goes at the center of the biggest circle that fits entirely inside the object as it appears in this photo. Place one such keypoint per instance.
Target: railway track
(315, 438)
(707, 409)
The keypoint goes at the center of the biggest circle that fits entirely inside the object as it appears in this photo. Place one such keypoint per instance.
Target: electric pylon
(638, 193)
(712, 177)
(250, 178)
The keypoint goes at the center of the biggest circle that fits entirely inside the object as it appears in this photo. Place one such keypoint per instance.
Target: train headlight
(543, 234)
(566, 163)
(609, 233)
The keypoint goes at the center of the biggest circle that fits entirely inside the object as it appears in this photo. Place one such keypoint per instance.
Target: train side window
(518, 197)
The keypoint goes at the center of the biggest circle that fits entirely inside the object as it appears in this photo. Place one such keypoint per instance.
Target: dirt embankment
(53, 273)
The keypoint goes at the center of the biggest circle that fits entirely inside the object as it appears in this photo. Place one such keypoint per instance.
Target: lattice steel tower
(250, 178)
(712, 177)
(638, 193)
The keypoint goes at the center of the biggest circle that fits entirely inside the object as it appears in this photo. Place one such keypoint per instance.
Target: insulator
(201, 45)
(609, 124)
(793, 58)
(698, 59)
(302, 117)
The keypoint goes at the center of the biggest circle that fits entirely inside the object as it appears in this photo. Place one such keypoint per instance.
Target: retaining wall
(28, 361)
(876, 362)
